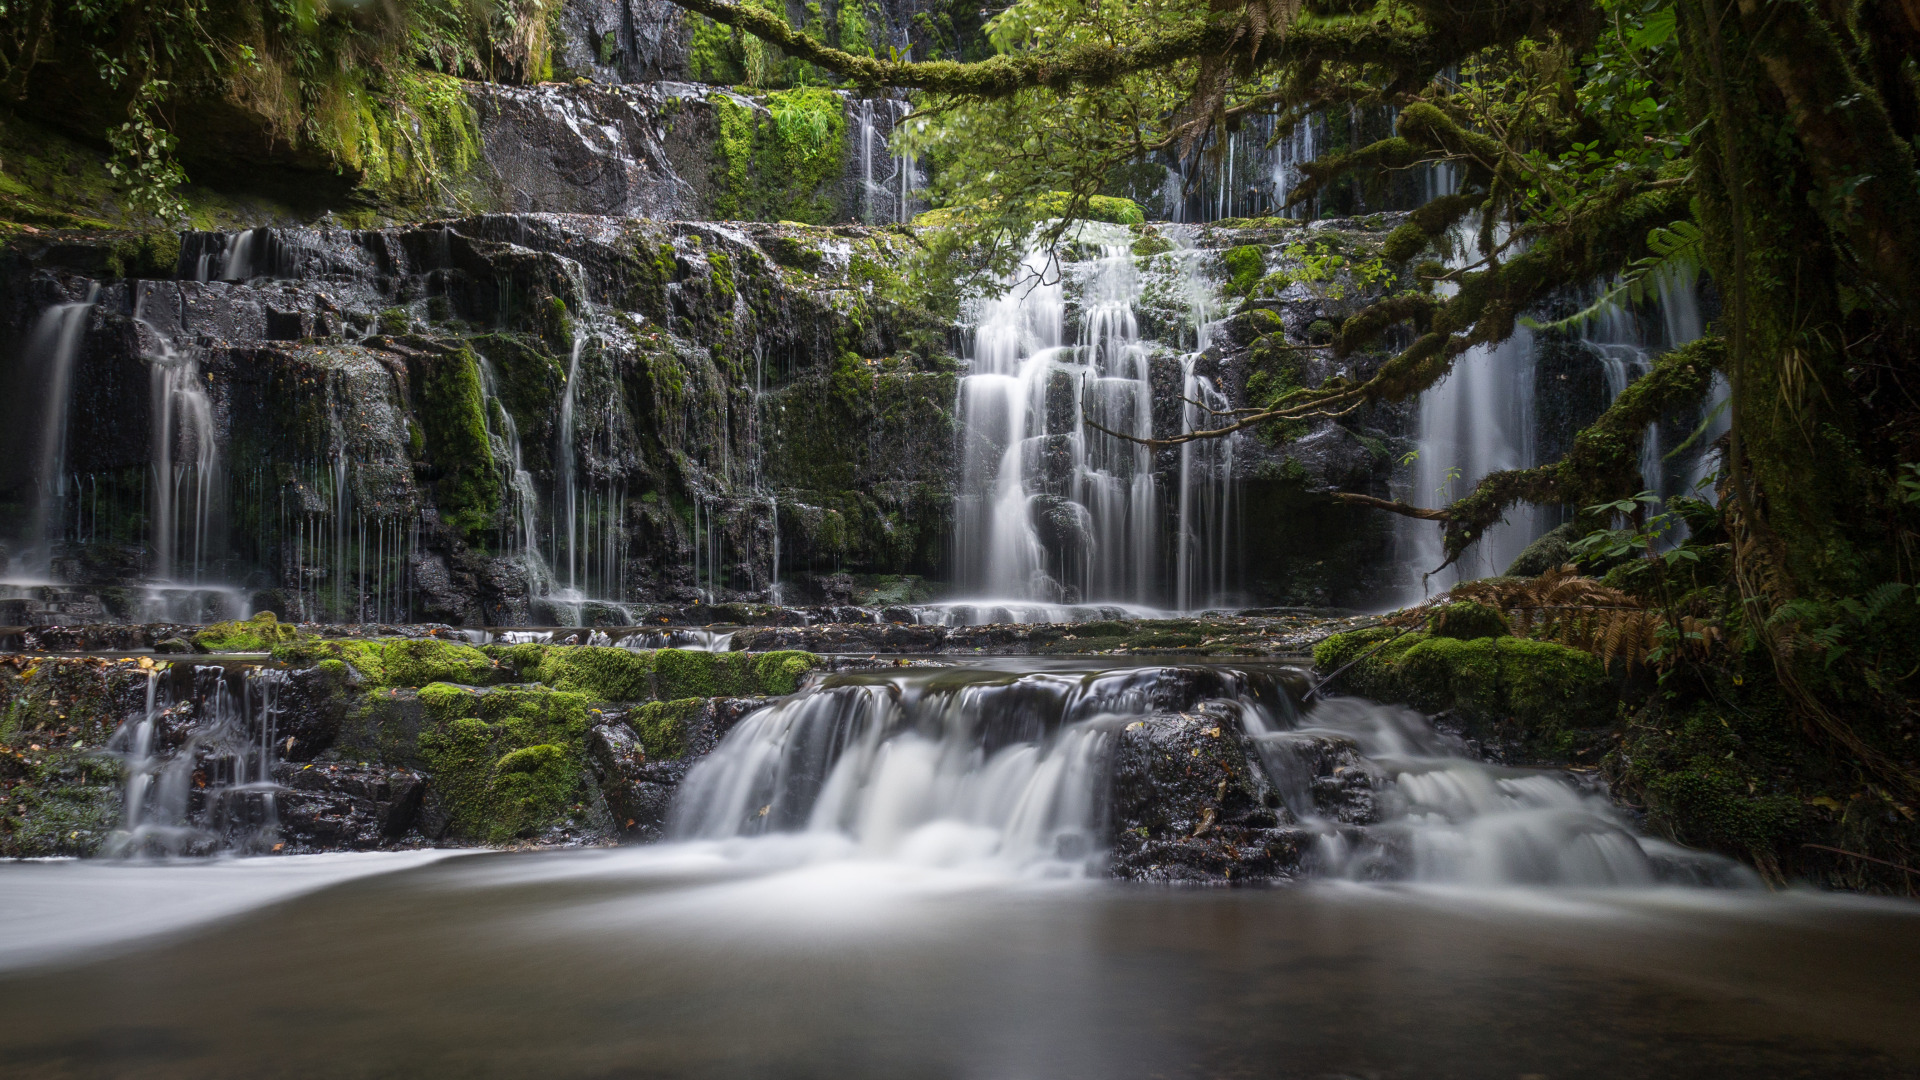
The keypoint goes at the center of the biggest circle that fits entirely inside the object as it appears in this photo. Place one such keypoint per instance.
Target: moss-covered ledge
(1554, 702)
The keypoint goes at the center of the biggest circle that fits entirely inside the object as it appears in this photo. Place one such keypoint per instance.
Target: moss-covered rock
(662, 726)
(507, 762)
(681, 673)
(258, 634)
(58, 794)
(1537, 691)
(398, 662)
(1467, 621)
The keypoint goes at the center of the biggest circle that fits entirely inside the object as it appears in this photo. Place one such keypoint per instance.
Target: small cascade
(520, 536)
(999, 767)
(199, 761)
(51, 348)
(587, 550)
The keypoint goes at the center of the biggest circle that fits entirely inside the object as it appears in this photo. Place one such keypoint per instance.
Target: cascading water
(1476, 420)
(521, 537)
(585, 558)
(189, 486)
(1054, 513)
(887, 180)
(51, 347)
(199, 763)
(1673, 454)
(996, 766)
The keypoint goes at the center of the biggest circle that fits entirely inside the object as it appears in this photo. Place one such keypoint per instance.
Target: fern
(1565, 608)
(1679, 254)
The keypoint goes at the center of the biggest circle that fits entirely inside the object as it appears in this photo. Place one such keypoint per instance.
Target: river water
(900, 874)
(694, 961)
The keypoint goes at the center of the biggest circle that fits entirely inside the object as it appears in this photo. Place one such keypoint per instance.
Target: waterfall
(52, 347)
(887, 180)
(994, 766)
(1627, 341)
(1052, 513)
(189, 488)
(1205, 530)
(216, 790)
(521, 538)
(1478, 419)
(587, 524)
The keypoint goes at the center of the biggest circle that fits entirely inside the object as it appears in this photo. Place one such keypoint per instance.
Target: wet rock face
(596, 150)
(1188, 805)
(347, 807)
(384, 412)
(639, 791)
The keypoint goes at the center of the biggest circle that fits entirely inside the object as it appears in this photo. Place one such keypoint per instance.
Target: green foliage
(1679, 254)
(1108, 208)
(143, 155)
(781, 166)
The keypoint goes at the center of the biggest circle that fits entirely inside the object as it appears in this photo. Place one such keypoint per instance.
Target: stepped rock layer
(553, 418)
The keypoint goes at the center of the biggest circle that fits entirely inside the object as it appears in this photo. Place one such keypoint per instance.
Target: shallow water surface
(774, 957)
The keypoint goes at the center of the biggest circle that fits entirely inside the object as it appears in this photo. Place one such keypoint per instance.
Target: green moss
(713, 52)
(681, 673)
(451, 411)
(395, 321)
(603, 674)
(784, 165)
(662, 726)
(261, 633)
(60, 803)
(405, 135)
(800, 255)
(720, 272)
(1723, 773)
(1245, 264)
(1467, 620)
(1148, 246)
(508, 762)
(398, 662)
(1108, 208)
(1543, 690)
(148, 255)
